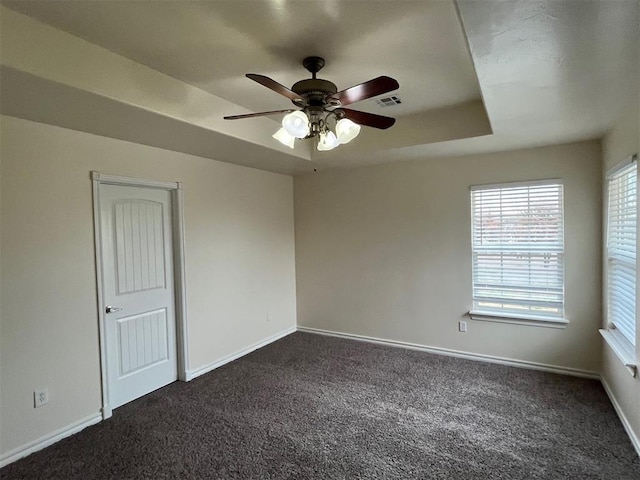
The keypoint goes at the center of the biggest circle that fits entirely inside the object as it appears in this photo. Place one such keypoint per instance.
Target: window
(621, 251)
(518, 251)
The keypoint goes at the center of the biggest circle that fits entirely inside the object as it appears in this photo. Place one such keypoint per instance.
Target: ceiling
(475, 76)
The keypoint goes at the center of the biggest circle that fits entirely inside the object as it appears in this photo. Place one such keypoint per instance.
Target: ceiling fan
(318, 101)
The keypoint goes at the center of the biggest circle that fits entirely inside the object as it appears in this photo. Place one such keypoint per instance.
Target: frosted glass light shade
(347, 130)
(284, 138)
(296, 124)
(328, 141)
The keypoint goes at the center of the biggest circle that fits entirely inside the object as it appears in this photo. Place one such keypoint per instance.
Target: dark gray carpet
(317, 407)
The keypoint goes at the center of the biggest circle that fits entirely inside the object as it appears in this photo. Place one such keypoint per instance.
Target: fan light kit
(321, 105)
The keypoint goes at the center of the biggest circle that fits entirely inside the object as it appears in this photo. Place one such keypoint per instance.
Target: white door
(140, 327)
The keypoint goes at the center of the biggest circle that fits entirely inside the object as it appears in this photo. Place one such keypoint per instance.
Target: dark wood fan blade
(259, 114)
(273, 85)
(365, 90)
(368, 119)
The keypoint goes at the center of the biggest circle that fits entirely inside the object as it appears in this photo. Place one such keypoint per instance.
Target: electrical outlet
(40, 398)
(462, 326)
(268, 317)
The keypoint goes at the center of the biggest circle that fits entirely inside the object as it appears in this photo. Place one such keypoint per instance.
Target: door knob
(111, 309)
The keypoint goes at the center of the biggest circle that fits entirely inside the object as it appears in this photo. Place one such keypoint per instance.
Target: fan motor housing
(314, 89)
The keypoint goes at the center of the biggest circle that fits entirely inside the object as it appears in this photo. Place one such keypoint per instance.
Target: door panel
(140, 331)
(142, 341)
(139, 245)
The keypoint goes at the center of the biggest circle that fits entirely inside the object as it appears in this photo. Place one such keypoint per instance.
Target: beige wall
(622, 141)
(239, 265)
(385, 252)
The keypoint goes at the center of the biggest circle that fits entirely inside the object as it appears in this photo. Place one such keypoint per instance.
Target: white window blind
(518, 249)
(621, 250)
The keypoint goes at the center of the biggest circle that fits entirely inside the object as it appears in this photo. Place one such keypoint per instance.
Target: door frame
(177, 228)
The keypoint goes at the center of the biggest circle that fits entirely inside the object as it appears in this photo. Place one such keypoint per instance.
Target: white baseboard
(50, 439)
(460, 354)
(191, 374)
(635, 441)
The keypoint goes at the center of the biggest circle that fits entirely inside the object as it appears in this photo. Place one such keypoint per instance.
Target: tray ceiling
(474, 76)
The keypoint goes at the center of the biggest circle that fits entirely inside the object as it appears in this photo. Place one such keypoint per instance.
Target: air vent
(389, 101)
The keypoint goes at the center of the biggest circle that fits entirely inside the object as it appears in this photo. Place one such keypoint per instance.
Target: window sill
(529, 320)
(622, 348)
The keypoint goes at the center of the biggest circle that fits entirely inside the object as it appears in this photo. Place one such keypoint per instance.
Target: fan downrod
(313, 64)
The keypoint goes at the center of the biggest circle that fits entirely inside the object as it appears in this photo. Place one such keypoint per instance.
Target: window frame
(619, 343)
(525, 318)
(617, 258)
